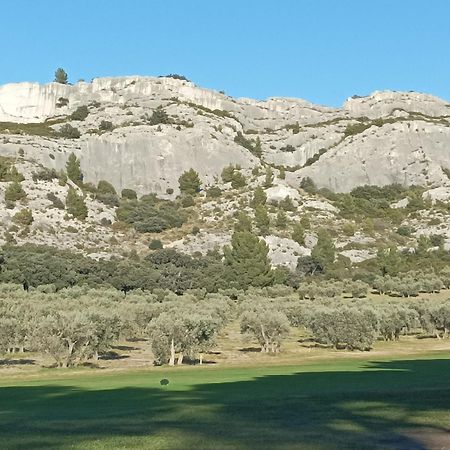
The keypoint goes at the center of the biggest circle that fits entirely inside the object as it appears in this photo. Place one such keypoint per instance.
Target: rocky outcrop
(387, 137)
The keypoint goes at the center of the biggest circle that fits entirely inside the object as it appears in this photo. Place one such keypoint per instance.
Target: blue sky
(320, 50)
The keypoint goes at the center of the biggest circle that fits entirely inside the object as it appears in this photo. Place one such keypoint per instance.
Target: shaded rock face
(384, 138)
(149, 163)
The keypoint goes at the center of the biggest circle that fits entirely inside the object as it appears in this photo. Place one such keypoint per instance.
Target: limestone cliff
(387, 137)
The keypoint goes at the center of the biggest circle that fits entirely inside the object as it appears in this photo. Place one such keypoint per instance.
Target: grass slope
(351, 404)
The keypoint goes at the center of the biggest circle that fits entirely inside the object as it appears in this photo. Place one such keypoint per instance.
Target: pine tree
(257, 148)
(324, 251)
(243, 223)
(189, 182)
(76, 205)
(159, 116)
(287, 204)
(281, 221)
(268, 182)
(60, 76)
(389, 261)
(262, 220)
(298, 234)
(259, 197)
(282, 174)
(247, 263)
(227, 173)
(73, 169)
(238, 180)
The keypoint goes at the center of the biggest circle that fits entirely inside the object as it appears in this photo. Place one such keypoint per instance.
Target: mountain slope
(385, 138)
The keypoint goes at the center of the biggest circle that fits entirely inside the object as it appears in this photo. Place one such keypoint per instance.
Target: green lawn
(345, 404)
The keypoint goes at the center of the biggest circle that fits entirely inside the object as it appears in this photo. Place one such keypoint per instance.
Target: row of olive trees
(357, 324)
(77, 325)
(353, 324)
(409, 284)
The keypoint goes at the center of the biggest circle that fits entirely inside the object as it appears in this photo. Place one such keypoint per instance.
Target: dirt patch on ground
(430, 438)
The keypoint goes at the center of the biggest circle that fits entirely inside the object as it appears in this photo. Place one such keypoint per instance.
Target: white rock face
(405, 140)
(280, 192)
(403, 203)
(285, 252)
(405, 153)
(438, 194)
(381, 104)
(357, 256)
(153, 163)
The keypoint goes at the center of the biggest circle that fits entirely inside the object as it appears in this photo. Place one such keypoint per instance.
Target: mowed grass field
(345, 403)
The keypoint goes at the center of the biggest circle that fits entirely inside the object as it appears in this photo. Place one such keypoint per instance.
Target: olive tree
(265, 324)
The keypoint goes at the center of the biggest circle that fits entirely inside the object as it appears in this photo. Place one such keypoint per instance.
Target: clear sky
(320, 50)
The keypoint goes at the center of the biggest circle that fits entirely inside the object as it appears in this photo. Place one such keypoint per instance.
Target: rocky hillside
(387, 137)
(142, 133)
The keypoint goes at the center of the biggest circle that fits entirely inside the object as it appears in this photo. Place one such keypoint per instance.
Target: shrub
(14, 192)
(56, 202)
(253, 146)
(189, 182)
(288, 148)
(24, 217)
(159, 116)
(187, 201)
(175, 76)
(80, 113)
(62, 101)
(104, 222)
(151, 215)
(106, 125)
(155, 244)
(308, 185)
(195, 230)
(69, 132)
(349, 229)
(358, 289)
(9, 172)
(169, 191)
(214, 192)
(106, 193)
(356, 128)
(45, 174)
(14, 175)
(129, 194)
(405, 230)
(437, 240)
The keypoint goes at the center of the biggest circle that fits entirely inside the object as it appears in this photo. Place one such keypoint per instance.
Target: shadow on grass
(112, 355)
(17, 362)
(390, 405)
